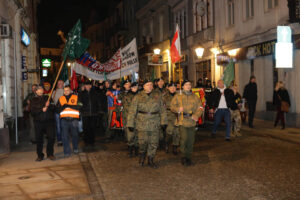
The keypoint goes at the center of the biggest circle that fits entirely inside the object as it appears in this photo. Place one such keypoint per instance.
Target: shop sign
(24, 68)
(223, 58)
(25, 37)
(46, 62)
(284, 47)
(262, 49)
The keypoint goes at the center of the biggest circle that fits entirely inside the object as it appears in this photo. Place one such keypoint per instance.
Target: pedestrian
(132, 139)
(235, 112)
(147, 115)
(250, 94)
(89, 112)
(172, 132)
(102, 99)
(42, 112)
(112, 97)
(58, 92)
(221, 100)
(188, 108)
(27, 107)
(68, 106)
(281, 100)
(199, 83)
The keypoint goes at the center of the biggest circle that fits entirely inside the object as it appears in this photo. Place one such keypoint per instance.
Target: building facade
(19, 57)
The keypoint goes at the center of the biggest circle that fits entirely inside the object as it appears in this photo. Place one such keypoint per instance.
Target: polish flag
(74, 82)
(175, 47)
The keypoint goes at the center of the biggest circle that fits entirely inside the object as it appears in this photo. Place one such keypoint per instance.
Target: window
(181, 20)
(202, 14)
(161, 27)
(270, 4)
(203, 70)
(248, 9)
(230, 12)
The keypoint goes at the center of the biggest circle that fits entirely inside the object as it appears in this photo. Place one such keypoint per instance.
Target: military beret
(172, 84)
(147, 81)
(88, 82)
(185, 81)
(134, 84)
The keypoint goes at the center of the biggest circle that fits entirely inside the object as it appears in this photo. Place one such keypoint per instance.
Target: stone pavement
(64, 179)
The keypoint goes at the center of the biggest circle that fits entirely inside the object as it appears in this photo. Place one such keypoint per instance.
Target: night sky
(54, 15)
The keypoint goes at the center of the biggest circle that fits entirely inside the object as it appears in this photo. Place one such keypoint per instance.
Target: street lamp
(215, 50)
(199, 52)
(156, 51)
(69, 64)
(233, 52)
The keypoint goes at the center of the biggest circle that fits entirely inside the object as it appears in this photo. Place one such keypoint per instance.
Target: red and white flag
(175, 47)
(74, 82)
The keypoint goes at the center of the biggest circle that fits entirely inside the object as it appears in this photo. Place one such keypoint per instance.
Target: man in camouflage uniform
(147, 114)
(131, 135)
(160, 89)
(235, 112)
(172, 133)
(189, 108)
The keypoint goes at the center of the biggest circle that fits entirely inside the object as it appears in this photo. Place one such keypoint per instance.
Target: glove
(164, 127)
(131, 129)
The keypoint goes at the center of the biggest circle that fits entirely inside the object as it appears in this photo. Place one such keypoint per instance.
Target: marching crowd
(151, 114)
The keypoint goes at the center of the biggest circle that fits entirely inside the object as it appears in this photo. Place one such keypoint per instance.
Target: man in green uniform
(131, 135)
(172, 133)
(147, 114)
(189, 108)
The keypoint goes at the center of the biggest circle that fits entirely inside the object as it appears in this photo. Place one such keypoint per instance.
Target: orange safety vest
(69, 112)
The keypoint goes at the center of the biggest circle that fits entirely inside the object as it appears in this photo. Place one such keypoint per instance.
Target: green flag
(64, 73)
(228, 75)
(75, 45)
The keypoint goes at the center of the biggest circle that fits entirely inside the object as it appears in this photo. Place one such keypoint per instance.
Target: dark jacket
(102, 99)
(281, 95)
(215, 97)
(90, 102)
(237, 98)
(37, 104)
(250, 92)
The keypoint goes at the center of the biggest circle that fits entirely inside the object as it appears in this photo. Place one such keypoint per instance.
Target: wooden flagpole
(59, 71)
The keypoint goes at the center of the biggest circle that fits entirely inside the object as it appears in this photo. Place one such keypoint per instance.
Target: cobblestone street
(261, 165)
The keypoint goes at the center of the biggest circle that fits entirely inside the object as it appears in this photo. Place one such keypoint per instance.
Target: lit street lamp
(199, 52)
(156, 51)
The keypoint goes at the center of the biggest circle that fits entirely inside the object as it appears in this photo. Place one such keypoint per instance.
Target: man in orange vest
(68, 107)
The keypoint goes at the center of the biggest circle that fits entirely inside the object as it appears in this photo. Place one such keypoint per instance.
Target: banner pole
(59, 71)
(180, 82)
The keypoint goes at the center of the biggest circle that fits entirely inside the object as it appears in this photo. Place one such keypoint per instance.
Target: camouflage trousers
(148, 142)
(132, 138)
(236, 122)
(187, 139)
(172, 134)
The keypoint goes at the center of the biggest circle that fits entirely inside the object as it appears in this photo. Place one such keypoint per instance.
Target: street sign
(284, 47)
(46, 62)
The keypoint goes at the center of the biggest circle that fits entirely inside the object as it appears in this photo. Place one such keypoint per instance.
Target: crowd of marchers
(151, 114)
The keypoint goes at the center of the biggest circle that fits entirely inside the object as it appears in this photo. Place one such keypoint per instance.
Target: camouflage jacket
(147, 112)
(162, 92)
(167, 98)
(191, 105)
(126, 102)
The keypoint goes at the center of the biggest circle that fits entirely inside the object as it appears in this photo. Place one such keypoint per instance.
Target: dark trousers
(251, 107)
(42, 128)
(89, 129)
(187, 139)
(218, 119)
(280, 116)
(69, 127)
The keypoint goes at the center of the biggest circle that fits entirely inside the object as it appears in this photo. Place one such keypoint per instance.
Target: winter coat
(250, 92)
(37, 104)
(281, 95)
(215, 98)
(90, 103)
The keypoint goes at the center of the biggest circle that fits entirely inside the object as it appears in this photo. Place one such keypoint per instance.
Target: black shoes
(151, 163)
(51, 158)
(142, 159)
(186, 162)
(39, 159)
(175, 152)
(228, 140)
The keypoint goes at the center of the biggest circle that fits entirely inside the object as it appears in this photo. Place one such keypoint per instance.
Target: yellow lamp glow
(199, 52)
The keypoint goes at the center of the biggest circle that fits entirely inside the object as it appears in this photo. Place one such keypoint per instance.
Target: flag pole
(180, 83)
(59, 71)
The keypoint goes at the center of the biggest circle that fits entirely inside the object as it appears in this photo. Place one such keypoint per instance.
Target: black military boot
(188, 162)
(142, 159)
(131, 149)
(167, 147)
(151, 163)
(183, 161)
(175, 152)
(136, 151)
